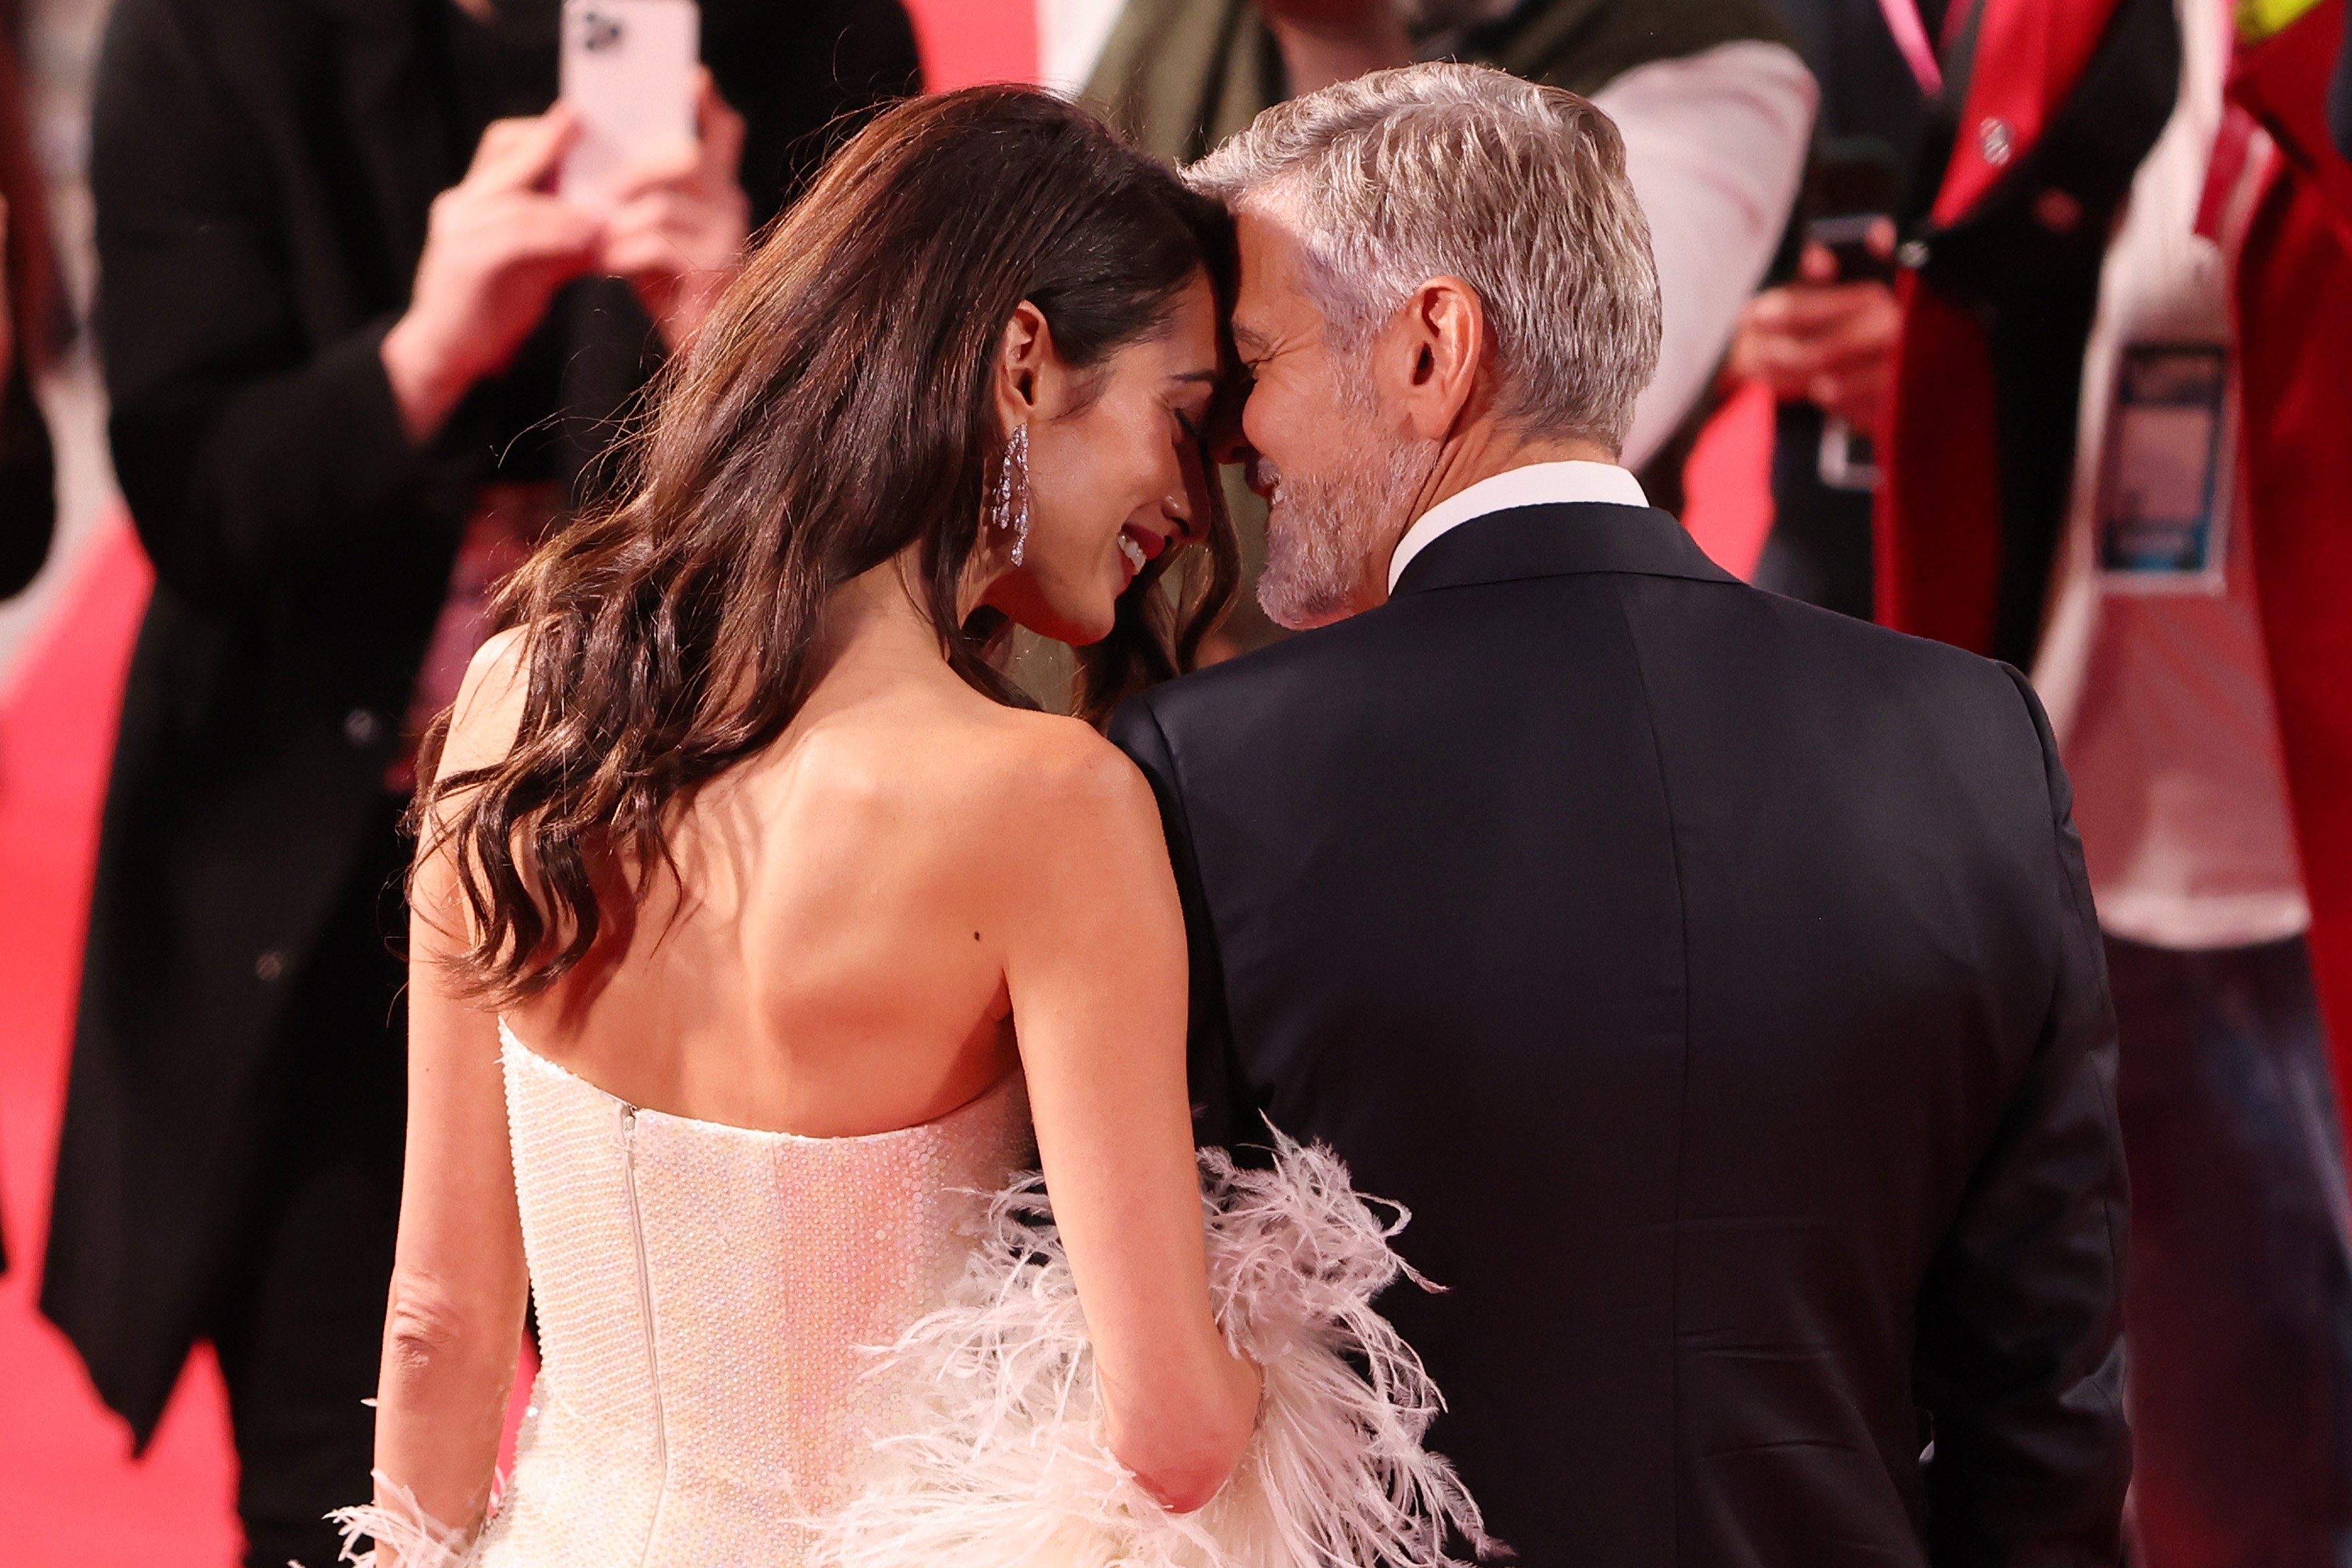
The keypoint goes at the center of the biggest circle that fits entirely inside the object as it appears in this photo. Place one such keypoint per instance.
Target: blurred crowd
(2052, 298)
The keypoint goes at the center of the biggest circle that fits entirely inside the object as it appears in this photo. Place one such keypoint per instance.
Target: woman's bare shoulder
(489, 710)
(1061, 792)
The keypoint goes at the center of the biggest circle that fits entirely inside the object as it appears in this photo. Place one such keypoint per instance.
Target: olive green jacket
(1181, 76)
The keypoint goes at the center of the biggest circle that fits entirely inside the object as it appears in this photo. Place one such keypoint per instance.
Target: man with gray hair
(1713, 976)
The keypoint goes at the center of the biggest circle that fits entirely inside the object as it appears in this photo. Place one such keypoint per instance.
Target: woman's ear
(1028, 351)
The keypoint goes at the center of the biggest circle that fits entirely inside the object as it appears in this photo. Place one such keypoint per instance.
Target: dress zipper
(645, 1312)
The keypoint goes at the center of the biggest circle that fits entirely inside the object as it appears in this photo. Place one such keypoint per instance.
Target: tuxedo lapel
(1560, 541)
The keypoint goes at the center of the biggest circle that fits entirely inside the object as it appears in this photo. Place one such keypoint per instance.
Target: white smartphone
(626, 67)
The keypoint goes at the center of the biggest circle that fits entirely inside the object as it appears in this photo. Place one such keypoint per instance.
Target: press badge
(2164, 490)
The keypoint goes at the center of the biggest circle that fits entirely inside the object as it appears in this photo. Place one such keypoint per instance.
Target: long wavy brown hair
(835, 413)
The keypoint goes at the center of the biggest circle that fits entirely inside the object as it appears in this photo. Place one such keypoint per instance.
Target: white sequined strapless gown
(763, 1350)
(703, 1292)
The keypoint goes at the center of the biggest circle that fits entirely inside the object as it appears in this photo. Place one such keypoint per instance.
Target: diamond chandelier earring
(1008, 498)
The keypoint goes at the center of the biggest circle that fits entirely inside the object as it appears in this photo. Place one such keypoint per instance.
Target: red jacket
(1939, 509)
(2003, 216)
(2293, 305)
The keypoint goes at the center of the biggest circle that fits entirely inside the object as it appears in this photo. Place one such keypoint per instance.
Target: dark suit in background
(1716, 979)
(28, 506)
(1866, 138)
(37, 327)
(230, 1161)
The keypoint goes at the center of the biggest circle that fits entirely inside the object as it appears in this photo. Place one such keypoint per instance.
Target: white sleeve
(1070, 39)
(1716, 144)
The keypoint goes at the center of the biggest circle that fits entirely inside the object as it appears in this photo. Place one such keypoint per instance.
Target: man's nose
(1226, 441)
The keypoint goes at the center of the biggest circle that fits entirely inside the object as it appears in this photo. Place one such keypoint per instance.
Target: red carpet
(71, 1495)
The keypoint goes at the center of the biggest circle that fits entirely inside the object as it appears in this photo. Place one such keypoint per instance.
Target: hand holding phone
(679, 220)
(1861, 246)
(628, 69)
(1827, 336)
(497, 248)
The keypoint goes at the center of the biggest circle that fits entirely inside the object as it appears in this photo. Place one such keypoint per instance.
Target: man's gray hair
(1459, 171)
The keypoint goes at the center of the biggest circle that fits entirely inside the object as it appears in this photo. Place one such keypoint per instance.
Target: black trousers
(298, 1319)
(2238, 1314)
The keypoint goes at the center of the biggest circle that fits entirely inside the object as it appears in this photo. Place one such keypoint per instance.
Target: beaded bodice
(703, 1293)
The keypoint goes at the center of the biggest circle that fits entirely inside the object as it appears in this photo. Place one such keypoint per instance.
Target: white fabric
(1538, 484)
(1070, 39)
(1006, 1465)
(714, 1304)
(1715, 143)
(2162, 702)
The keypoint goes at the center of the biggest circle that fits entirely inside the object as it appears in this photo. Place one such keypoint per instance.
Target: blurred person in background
(1823, 338)
(2045, 110)
(2339, 101)
(31, 330)
(32, 317)
(1996, 139)
(360, 358)
(2192, 644)
(1713, 105)
(2195, 659)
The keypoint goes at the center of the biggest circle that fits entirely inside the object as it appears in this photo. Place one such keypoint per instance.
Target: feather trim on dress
(1006, 1464)
(398, 1523)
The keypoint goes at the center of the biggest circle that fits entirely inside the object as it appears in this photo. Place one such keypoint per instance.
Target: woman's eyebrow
(1203, 376)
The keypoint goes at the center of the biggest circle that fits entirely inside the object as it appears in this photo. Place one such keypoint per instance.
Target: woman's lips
(1140, 546)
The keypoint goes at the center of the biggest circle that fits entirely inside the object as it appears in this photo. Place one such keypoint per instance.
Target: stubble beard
(1322, 528)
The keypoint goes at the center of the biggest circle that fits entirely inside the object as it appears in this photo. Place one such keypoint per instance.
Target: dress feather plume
(1004, 1462)
(397, 1523)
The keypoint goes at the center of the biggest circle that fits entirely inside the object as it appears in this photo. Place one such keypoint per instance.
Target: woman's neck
(876, 628)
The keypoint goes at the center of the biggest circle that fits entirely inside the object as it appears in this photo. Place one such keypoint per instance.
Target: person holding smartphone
(362, 351)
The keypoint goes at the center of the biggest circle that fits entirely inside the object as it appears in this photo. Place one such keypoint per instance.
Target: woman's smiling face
(1114, 464)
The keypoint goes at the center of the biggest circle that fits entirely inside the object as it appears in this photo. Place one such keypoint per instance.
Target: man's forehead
(1271, 300)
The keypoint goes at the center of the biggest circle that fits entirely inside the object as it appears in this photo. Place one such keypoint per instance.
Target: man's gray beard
(1322, 529)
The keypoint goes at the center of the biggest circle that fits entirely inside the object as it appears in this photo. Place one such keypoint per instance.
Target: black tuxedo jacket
(263, 171)
(1716, 979)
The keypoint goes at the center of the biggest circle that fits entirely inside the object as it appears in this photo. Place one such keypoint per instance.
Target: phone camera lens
(598, 32)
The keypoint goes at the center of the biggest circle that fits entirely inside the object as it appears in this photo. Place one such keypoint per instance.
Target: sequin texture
(703, 1295)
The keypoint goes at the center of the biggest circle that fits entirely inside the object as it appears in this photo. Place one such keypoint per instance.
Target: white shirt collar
(1538, 484)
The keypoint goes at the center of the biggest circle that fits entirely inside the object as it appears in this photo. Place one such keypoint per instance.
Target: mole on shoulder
(975, 936)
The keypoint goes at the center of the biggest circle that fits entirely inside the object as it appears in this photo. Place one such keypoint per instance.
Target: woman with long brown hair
(759, 925)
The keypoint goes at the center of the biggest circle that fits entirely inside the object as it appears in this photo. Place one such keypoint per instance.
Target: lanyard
(1911, 38)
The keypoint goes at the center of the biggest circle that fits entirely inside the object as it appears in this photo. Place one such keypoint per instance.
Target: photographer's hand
(497, 248)
(1822, 342)
(676, 231)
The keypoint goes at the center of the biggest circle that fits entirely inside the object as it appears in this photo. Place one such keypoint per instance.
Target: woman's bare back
(828, 958)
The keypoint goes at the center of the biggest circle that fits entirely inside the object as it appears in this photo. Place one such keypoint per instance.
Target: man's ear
(1023, 363)
(1432, 353)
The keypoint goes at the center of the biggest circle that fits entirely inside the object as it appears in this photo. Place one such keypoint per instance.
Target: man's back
(1716, 980)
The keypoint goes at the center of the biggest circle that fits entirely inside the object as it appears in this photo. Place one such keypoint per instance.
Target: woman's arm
(458, 1285)
(1095, 961)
